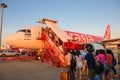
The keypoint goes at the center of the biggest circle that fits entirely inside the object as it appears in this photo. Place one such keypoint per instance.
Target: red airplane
(35, 38)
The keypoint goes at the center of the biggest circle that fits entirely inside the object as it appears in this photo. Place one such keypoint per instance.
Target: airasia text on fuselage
(82, 38)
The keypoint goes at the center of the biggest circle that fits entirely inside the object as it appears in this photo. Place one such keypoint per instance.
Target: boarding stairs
(50, 44)
(60, 33)
(56, 29)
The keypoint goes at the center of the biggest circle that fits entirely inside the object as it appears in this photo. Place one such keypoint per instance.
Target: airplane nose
(9, 39)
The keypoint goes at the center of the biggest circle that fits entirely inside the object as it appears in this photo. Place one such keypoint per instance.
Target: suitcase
(64, 75)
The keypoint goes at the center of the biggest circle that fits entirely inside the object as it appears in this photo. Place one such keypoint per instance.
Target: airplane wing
(111, 40)
(99, 44)
(102, 41)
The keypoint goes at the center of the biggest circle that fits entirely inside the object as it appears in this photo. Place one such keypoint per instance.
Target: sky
(84, 16)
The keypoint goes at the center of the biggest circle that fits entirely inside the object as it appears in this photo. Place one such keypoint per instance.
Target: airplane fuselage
(28, 38)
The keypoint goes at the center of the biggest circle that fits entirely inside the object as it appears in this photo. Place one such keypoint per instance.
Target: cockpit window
(22, 30)
(28, 31)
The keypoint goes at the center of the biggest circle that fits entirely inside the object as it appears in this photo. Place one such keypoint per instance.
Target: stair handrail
(52, 44)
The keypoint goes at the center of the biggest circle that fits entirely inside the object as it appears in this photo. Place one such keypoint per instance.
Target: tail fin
(107, 34)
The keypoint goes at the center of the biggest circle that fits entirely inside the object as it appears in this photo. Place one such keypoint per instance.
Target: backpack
(99, 67)
(114, 61)
(73, 61)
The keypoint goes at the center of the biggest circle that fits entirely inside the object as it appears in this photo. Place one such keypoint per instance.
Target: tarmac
(32, 70)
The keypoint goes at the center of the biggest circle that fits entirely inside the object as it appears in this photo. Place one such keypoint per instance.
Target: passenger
(46, 29)
(100, 54)
(61, 48)
(68, 64)
(89, 61)
(109, 63)
(97, 52)
(50, 33)
(113, 63)
(83, 53)
(73, 64)
(60, 42)
(79, 64)
(53, 36)
(56, 39)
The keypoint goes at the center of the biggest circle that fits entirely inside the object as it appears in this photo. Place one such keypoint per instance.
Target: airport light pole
(3, 5)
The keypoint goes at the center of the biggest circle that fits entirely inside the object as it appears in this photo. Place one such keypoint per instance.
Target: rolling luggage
(64, 75)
